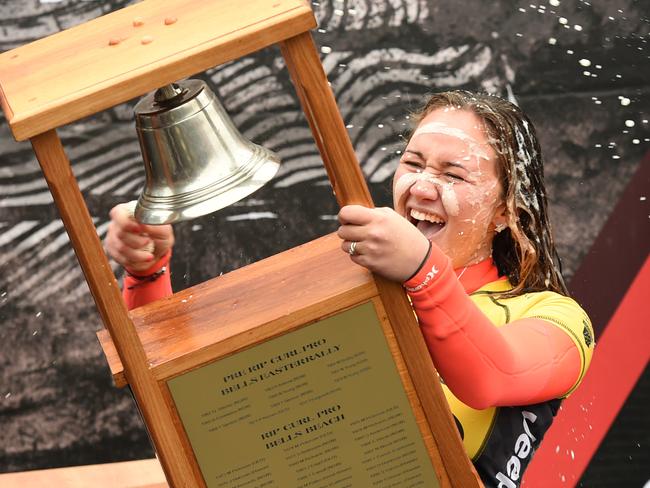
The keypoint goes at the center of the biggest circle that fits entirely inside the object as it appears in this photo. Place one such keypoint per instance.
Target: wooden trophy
(300, 370)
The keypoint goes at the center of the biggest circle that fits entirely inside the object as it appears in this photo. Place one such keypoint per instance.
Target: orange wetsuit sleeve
(527, 361)
(148, 285)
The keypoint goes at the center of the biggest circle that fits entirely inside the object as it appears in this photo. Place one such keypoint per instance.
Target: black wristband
(145, 279)
(422, 263)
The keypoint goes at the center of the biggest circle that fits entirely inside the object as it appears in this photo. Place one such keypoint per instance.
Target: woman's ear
(500, 220)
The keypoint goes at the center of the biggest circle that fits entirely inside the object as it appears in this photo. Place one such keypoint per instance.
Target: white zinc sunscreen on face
(446, 190)
(476, 149)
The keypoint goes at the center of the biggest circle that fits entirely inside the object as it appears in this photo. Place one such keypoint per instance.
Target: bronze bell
(195, 160)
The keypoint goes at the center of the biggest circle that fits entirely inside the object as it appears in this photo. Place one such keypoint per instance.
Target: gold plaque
(319, 407)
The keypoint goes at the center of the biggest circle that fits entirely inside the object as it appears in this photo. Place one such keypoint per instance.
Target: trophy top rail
(124, 54)
(220, 315)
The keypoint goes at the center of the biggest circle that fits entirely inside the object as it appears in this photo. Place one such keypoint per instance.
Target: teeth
(416, 214)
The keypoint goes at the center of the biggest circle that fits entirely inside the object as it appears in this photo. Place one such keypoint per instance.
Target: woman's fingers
(352, 232)
(355, 215)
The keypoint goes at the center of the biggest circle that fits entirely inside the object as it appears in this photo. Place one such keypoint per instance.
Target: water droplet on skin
(629, 123)
(325, 49)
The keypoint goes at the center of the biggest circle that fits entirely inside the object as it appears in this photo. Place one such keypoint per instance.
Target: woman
(469, 238)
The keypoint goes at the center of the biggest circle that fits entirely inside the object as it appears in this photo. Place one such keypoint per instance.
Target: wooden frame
(105, 62)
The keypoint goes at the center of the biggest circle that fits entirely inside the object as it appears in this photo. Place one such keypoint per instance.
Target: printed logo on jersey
(586, 332)
(522, 450)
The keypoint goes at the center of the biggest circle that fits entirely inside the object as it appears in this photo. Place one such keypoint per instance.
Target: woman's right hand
(133, 245)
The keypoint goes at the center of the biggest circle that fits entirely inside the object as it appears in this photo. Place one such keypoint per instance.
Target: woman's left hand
(386, 243)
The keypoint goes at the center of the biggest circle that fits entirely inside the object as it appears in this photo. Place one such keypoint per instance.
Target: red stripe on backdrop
(621, 355)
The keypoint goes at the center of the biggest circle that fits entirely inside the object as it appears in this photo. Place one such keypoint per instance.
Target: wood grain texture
(325, 121)
(105, 291)
(411, 394)
(76, 73)
(245, 307)
(144, 473)
(427, 384)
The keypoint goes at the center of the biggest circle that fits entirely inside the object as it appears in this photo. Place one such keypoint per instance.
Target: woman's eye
(412, 164)
(454, 177)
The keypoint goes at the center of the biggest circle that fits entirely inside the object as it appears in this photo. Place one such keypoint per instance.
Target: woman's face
(447, 185)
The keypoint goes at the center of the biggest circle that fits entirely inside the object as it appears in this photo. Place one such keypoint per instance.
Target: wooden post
(350, 187)
(178, 465)
(325, 121)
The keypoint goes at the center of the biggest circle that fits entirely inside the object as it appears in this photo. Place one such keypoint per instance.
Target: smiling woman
(470, 239)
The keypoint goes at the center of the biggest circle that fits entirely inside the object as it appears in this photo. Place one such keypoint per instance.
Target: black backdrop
(578, 68)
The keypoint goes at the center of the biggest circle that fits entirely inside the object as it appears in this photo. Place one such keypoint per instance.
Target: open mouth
(427, 223)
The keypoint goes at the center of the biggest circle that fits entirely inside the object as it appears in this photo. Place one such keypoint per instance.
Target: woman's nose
(425, 188)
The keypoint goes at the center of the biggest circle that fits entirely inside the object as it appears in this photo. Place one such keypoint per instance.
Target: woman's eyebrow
(456, 164)
(417, 153)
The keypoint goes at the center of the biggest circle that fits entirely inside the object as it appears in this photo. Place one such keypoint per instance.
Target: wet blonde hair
(524, 251)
